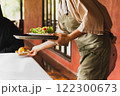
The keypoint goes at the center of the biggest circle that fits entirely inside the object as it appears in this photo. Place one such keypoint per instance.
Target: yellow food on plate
(22, 51)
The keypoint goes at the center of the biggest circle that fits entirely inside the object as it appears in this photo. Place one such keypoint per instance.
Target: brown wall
(113, 7)
(33, 16)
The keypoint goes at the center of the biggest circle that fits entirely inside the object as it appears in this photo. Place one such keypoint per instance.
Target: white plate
(37, 34)
(21, 54)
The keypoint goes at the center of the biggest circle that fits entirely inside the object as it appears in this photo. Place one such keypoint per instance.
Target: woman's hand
(65, 38)
(33, 52)
(39, 47)
(62, 40)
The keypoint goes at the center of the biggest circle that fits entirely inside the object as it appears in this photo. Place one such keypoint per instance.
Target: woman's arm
(62, 40)
(45, 45)
(65, 38)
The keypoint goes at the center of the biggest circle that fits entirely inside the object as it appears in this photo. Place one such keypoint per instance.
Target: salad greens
(43, 30)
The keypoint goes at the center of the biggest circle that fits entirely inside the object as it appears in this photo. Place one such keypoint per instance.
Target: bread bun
(22, 51)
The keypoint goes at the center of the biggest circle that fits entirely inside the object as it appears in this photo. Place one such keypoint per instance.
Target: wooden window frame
(49, 19)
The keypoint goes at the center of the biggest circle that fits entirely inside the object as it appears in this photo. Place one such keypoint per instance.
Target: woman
(88, 22)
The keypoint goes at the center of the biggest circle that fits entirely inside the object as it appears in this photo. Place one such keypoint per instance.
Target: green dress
(93, 49)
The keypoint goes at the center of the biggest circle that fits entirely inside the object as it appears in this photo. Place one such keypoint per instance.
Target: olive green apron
(93, 49)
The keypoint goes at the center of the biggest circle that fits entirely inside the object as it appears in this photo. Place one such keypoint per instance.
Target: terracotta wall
(114, 11)
(75, 58)
(33, 16)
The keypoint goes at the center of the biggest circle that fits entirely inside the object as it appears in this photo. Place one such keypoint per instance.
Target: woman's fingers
(32, 53)
(62, 39)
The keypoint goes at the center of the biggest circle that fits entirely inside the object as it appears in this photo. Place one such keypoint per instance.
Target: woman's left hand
(33, 52)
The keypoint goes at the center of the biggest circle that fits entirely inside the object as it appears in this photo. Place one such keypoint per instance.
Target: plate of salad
(38, 33)
(41, 31)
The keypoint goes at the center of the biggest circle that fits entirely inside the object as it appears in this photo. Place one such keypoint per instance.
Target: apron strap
(65, 5)
(66, 8)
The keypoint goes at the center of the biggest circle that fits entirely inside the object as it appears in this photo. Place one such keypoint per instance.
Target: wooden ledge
(43, 56)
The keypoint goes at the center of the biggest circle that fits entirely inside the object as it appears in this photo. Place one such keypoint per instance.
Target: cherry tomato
(44, 28)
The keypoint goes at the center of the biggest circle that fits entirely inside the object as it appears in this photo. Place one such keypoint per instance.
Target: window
(13, 10)
(50, 18)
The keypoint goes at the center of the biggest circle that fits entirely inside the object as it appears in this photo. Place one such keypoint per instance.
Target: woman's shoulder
(5, 21)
